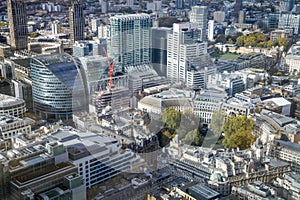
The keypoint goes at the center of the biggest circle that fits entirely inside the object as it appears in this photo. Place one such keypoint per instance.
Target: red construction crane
(111, 68)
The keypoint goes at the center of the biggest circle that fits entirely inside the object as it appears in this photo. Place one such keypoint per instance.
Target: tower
(17, 24)
(238, 6)
(198, 15)
(128, 39)
(76, 18)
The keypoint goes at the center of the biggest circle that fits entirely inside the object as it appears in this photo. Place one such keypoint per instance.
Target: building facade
(17, 18)
(129, 39)
(77, 21)
(58, 88)
(198, 15)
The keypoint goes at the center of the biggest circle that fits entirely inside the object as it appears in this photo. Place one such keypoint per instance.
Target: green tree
(250, 41)
(238, 132)
(230, 41)
(171, 118)
(271, 43)
(260, 37)
(193, 137)
(217, 122)
(282, 42)
(240, 41)
(220, 38)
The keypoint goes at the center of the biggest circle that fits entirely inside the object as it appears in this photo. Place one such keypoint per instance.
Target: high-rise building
(211, 30)
(55, 28)
(181, 33)
(159, 49)
(192, 3)
(129, 39)
(17, 24)
(198, 15)
(219, 16)
(286, 5)
(77, 21)
(179, 4)
(58, 88)
(289, 21)
(104, 6)
(238, 6)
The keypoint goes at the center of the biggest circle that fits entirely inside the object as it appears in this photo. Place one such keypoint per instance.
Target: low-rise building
(12, 106)
(11, 126)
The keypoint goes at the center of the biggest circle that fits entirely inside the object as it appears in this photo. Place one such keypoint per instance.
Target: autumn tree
(238, 132)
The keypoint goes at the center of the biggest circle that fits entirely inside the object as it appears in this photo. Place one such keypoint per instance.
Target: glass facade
(129, 39)
(57, 86)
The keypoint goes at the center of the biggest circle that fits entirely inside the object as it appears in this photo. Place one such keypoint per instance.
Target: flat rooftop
(8, 101)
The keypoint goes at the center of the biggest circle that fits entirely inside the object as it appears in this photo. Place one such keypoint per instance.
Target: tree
(193, 137)
(217, 122)
(171, 118)
(230, 41)
(238, 132)
(271, 43)
(260, 37)
(250, 41)
(240, 41)
(220, 38)
(282, 42)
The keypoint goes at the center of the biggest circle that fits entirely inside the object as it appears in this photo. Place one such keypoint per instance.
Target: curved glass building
(58, 88)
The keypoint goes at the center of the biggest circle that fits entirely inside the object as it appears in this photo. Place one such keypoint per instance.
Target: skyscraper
(129, 39)
(76, 18)
(238, 6)
(286, 5)
(17, 24)
(187, 58)
(198, 15)
(179, 4)
(211, 30)
(159, 49)
(58, 88)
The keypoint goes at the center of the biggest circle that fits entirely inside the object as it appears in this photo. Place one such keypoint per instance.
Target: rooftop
(7, 101)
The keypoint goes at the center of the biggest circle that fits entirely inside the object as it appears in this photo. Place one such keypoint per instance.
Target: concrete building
(292, 59)
(211, 30)
(81, 48)
(289, 21)
(11, 127)
(12, 106)
(198, 15)
(174, 98)
(207, 103)
(290, 182)
(77, 21)
(219, 16)
(187, 59)
(286, 5)
(97, 158)
(17, 18)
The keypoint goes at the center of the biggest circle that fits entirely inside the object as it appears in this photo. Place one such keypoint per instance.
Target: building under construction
(111, 100)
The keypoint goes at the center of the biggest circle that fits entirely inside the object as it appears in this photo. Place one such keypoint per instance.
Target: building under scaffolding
(111, 100)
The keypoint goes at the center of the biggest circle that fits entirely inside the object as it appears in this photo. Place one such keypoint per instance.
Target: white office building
(98, 158)
(211, 30)
(289, 21)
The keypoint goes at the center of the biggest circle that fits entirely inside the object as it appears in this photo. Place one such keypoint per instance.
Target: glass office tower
(58, 88)
(129, 39)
